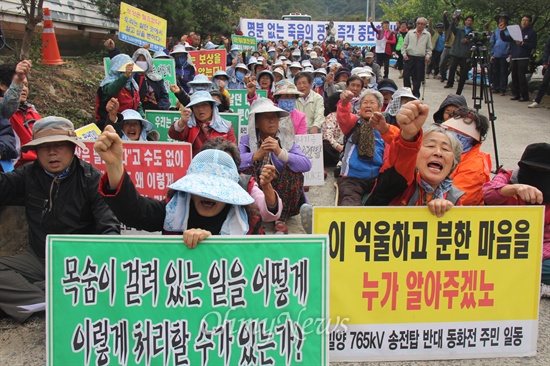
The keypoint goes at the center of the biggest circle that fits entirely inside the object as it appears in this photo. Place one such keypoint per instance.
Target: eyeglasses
(420, 23)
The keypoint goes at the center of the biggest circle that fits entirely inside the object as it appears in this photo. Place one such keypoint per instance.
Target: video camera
(478, 37)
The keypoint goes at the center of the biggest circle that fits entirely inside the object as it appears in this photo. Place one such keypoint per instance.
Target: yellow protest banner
(404, 272)
(88, 132)
(139, 27)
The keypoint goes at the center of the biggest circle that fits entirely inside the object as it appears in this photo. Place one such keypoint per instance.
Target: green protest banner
(165, 67)
(234, 119)
(148, 300)
(240, 105)
(244, 42)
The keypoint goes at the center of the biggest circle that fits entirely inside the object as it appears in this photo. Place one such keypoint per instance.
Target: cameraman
(460, 52)
(331, 32)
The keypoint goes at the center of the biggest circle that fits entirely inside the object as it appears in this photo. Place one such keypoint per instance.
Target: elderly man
(60, 195)
(311, 103)
(417, 51)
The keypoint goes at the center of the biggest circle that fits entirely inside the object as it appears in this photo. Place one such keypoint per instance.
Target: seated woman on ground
(418, 164)
(268, 205)
(129, 124)
(208, 199)
(270, 141)
(200, 121)
(474, 169)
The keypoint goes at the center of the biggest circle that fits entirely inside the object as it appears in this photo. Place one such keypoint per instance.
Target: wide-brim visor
(135, 68)
(200, 184)
(458, 124)
(52, 136)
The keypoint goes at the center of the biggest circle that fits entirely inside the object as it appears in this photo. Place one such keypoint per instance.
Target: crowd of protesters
(379, 139)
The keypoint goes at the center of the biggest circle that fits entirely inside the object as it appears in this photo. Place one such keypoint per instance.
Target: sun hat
(320, 70)
(220, 73)
(271, 49)
(279, 71)
(313, 55)
(240, 65)
(263, 72)
(395, 102)
(52, 129)
(365, 72)
(277, 63)
(179, 48)
(213, 174)
(252, 60)
(234, 48)
(132, 114)
(188, 47)
(285, 133)
(210, 46)
(459, 125)
(286, 87)
(135, 68)
(306, 63)
(332, 61)
(296, 64)
(199, 97)
(296, 53)
(161, 54)
(369, 54)
(308, 69)
(200, 79)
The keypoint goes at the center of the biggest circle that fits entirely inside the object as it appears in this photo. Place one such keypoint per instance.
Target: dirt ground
(69, 91)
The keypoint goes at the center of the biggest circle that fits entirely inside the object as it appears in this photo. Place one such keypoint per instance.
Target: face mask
(216, 83)
(143, 64)
(318, 81)
(287, 104)
(466, 141)
(181, 61)
(239, 75)
(234, 54)
(271, 54)
(200, 88)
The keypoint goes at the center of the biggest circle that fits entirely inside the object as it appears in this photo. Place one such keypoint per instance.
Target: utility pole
(373, 9)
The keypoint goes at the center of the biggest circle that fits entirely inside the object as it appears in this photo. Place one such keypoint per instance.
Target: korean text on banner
(312, 147)
(354, 33)
(152, 166)
(149, 300)
(207, 62)
(244, 42)
(414, 286)
(138, 27)
(162, 120)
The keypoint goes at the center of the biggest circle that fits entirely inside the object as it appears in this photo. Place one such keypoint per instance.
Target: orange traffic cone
(50, 50)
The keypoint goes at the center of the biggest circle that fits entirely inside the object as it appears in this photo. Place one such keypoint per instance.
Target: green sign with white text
(149, 300)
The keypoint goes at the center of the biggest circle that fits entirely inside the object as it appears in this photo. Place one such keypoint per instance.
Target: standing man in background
(417, 51)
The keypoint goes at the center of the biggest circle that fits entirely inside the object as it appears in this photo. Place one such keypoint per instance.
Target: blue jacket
(522, 51)
(499, 48)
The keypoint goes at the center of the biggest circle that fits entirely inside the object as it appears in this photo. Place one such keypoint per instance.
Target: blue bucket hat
(199, 97)
(214, 175)
(199, 80)
(133, 115)
(220, 73)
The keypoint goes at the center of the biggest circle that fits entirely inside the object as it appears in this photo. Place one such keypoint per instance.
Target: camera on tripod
(478, 37)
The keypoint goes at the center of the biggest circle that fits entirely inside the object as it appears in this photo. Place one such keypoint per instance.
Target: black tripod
(482, 89)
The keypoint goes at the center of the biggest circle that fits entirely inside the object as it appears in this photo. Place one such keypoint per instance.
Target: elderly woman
(270, 141)
(286, 96)
(364, 148)
(120, 84)
(418, 163)
(185, 71)
(474, 169)
(200, 121)
(208, 199)
(133, 127)
(152, 92)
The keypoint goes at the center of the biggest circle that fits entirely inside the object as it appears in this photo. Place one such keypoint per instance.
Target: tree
(33, 15)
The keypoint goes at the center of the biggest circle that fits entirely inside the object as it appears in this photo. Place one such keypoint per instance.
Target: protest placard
(312, 147)
(244, 42)
(139, 28)
(152, 166)
(145, 300)
(240, 105)
(414, 286)
(207, 62)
